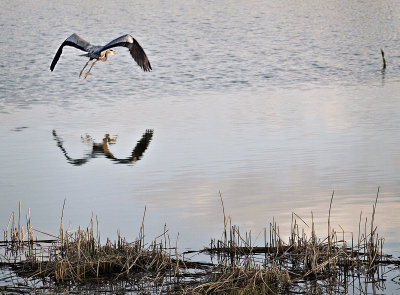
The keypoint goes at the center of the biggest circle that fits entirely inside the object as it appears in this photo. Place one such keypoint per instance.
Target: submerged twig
(383, 59)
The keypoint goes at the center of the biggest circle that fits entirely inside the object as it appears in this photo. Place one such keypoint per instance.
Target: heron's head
(110, 52)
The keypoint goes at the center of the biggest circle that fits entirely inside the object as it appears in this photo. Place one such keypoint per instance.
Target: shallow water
(274, 105)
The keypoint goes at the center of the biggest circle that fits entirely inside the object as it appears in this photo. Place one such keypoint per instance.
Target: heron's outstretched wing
(135, 49)
(75, 41)
(139, 149)
(75, 162)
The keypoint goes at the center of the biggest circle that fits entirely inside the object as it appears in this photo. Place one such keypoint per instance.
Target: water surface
(273, 105)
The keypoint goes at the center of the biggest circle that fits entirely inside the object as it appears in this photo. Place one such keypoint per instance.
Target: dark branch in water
(384, 60)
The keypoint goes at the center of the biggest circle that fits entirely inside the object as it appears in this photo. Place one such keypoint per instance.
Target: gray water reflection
(103, 148)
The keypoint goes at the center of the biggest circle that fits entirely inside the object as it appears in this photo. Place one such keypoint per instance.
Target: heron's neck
(105, 56)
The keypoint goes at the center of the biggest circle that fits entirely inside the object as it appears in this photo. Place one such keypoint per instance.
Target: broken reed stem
(329, 221)
(359, 239)
(141, 232)
(223, 211)
(61, 224)
(20, 229)
(373, 245)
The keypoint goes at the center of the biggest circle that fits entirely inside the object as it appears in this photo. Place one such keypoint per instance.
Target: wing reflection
(103, 149)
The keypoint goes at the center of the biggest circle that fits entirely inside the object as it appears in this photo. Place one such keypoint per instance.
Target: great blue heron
(97, 53)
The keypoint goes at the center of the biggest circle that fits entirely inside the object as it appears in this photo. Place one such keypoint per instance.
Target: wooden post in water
(384, 60)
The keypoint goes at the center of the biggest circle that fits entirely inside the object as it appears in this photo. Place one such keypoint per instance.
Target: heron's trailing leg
(87, 74)
(80, 74)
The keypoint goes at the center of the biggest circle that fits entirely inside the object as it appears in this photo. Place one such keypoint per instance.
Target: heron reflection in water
(103, 149)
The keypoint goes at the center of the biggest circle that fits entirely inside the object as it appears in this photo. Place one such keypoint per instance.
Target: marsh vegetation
(238, 263)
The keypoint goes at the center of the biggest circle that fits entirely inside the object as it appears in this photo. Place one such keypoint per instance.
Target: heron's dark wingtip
(147, 68)
(55, 60)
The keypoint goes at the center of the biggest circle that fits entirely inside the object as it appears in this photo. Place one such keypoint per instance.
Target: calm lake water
(274, 104)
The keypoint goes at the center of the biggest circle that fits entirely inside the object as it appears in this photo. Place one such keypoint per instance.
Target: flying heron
(97, 53)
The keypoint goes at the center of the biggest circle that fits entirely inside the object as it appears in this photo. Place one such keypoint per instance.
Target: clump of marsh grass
(301, 258)
(80, 256)
(15, 233)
